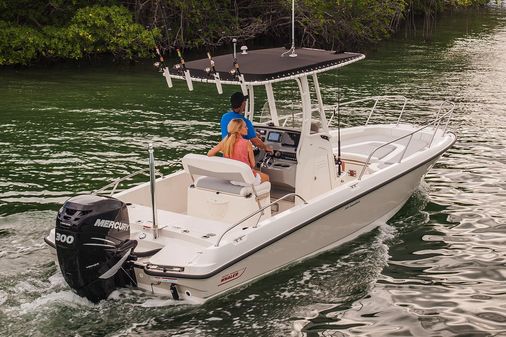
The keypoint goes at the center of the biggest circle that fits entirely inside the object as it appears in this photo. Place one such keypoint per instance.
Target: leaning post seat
(213, 195)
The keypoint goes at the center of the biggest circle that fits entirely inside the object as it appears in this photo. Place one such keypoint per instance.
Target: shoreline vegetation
(51, 31)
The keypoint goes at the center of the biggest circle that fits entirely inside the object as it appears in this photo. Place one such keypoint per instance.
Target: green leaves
(91, 31)
(99, 30)
(31, 30)
(347, 23)
(19, 45)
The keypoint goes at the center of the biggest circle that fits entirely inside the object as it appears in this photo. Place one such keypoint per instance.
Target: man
(238, 104)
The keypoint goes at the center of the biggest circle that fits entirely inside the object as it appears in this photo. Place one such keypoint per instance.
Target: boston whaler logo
(121, 226)
(231, 276)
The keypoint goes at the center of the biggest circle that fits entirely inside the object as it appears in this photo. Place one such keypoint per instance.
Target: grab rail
(256, 212)
(287, 118)
(376, 100)
(436, 121)
(114, 184)
(284, 120)
(441, 108)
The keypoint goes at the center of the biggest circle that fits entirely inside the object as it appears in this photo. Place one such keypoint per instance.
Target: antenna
(234, 41)
(293, 30)
(292, 49)
(339, 162)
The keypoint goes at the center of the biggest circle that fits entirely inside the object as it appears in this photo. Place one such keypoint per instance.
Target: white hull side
(324, 232)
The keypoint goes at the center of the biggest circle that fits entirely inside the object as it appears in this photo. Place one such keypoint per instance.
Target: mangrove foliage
(34, 30)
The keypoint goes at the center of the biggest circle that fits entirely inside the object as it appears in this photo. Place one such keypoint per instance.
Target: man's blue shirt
(227, 117)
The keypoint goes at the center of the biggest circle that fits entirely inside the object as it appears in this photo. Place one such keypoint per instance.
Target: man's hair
(236, 99)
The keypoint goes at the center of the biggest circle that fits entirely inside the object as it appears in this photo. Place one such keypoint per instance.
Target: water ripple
(436, 269)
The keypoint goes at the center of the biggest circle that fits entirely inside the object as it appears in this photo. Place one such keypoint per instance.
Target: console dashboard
(284, 143)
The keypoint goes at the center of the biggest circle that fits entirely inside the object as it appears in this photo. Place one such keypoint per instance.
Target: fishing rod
(160, 64)
(215, 74)
(162, 67)
(339, 161)
(186, 72)
(236, 71)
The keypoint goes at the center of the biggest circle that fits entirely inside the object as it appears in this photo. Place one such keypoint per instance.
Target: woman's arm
(215, 149)
(251, 156)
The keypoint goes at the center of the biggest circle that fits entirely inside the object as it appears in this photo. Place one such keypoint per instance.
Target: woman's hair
(233, 128)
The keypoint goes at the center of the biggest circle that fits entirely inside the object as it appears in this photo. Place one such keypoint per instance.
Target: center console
(283, 165)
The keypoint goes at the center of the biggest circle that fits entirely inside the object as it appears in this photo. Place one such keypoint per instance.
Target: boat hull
(371, 206)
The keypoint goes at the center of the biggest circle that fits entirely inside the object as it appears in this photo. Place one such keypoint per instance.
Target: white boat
(194, 235)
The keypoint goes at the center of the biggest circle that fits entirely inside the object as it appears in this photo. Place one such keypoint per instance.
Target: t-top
(227, 117)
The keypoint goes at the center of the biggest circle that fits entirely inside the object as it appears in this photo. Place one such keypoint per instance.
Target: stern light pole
(152, 189)
(339, 161)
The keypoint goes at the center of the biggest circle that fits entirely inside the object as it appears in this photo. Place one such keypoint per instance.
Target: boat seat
(213, 194)
(225, 186)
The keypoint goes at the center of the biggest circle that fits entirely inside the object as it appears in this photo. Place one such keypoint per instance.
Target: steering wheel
(267, 160)
(259, 155)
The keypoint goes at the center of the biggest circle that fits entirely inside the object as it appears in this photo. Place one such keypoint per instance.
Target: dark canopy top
(268, 64)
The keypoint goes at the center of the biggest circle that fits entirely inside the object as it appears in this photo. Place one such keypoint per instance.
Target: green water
(438, 268)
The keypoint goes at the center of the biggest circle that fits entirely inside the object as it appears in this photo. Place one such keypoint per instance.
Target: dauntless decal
(121, 226)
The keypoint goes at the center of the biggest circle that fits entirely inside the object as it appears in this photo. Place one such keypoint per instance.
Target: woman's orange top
(241, 151)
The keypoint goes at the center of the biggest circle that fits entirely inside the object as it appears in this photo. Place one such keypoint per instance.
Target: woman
(234, 146)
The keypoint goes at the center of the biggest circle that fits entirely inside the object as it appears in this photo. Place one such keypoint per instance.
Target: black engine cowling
(93, 245)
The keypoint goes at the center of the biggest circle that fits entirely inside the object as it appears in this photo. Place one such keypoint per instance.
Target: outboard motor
(93, 245)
